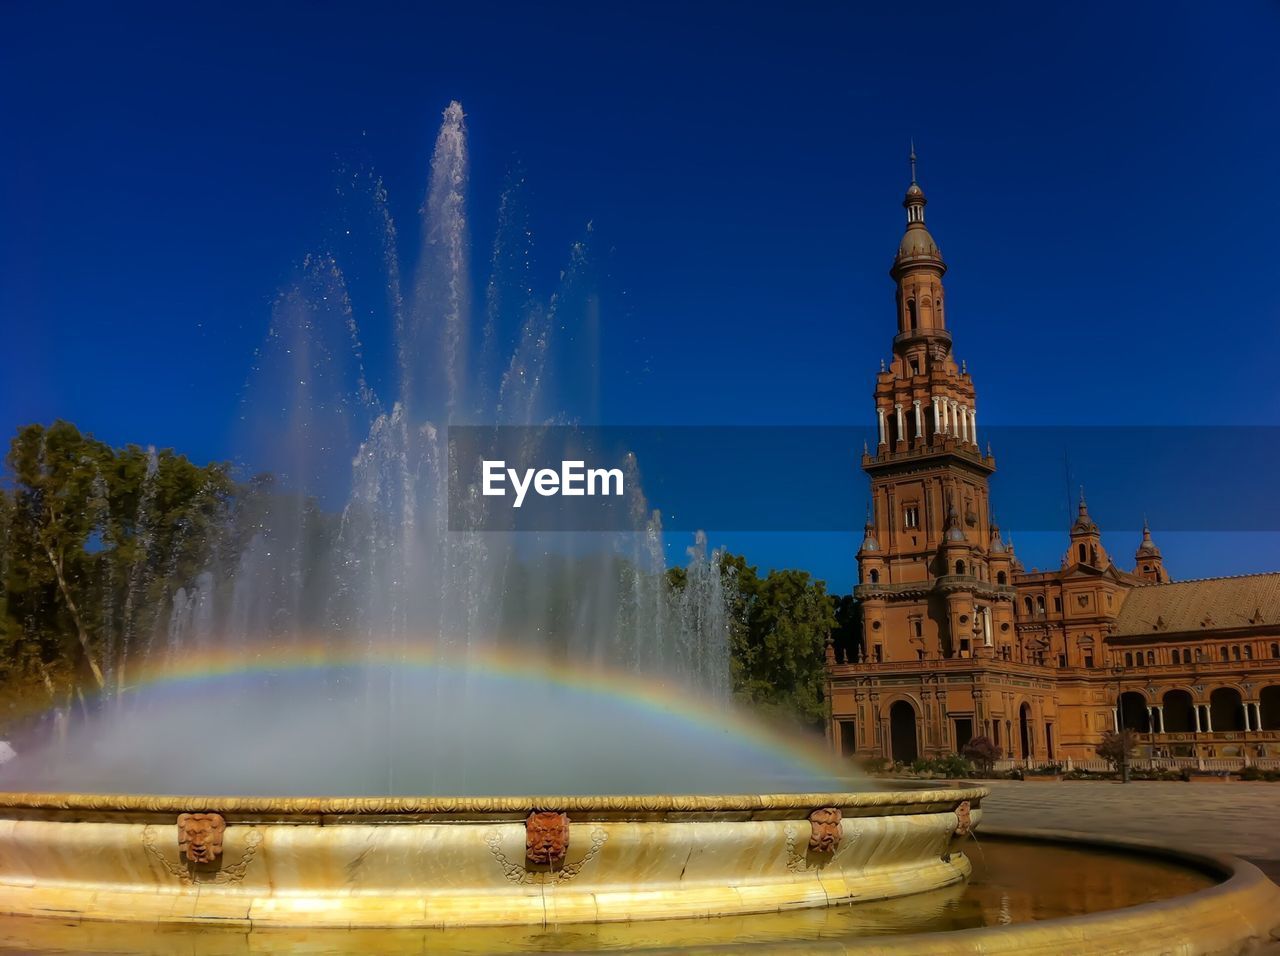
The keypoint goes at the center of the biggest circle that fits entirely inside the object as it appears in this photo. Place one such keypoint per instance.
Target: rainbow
(191, 670)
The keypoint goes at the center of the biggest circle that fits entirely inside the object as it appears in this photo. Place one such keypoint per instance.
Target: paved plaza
(1239, 818)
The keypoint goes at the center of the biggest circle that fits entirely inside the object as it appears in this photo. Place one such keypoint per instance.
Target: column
(919, 418)
(973, 424)
(1151, 719)
(1247, 716)
(946, 421)
(902, 430)
(884, 427)
(964, 423)
(1257, 713)
(1195, 714)
(1115, 719)
(955, 417)
(1208, 719)
(1160, 715)
(937, 417)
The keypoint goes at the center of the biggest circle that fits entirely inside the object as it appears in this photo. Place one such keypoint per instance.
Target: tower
(1150, 563)
(928, 587)
(1086, 541)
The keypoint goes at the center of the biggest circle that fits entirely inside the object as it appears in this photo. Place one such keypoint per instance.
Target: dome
(917, 243)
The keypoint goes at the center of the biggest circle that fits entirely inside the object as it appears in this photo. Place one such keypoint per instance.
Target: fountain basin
(474, 861)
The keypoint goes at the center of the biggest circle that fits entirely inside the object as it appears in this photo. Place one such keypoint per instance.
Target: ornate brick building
(958, 640)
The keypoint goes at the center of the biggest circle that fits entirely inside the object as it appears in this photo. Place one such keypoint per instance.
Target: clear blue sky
(1101, 181)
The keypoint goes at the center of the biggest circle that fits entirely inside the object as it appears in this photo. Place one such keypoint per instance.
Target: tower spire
(913, 159)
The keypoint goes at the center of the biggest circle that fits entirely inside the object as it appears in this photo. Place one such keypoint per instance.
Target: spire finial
(913, 159)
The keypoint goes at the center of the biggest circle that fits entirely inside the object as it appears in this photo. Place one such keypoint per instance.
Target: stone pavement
(1240, 818)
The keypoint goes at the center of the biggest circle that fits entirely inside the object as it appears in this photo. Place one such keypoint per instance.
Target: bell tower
(928, 586)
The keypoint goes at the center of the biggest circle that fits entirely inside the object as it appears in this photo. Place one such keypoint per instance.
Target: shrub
(1117, 748)
(982, 752)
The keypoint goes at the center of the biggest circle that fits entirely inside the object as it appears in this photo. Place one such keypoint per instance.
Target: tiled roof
(1205, 604)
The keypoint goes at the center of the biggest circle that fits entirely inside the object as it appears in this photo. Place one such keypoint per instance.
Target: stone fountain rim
(869, 800)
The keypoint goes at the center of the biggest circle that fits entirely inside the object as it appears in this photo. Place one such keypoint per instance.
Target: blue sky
(1101, 182)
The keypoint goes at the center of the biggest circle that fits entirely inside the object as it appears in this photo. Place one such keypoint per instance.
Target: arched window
(1248, 652)
(1151, 658)
(1031, 609)
(1275, 650)
(1235, 651)
(1083, 553)
(1128, 659)
(1001, 578)
(1040, 604)
(912, 320)
(959, 567)
(874, 576)
(1226, 656)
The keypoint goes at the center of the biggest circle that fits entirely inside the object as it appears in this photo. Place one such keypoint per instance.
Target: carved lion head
(825, 829)
(546, 837)
(200, 836)
(964, 822)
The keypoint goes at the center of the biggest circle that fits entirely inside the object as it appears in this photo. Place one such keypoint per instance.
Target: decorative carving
(816, 859)
(825, 830)
(190, 873)
(964, 821)
(546, 837)
(200, 836)
(517, 873)
(274, 807)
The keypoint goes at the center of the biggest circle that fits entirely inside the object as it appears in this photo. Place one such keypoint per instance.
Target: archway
(902, 732)
(1133, 712)
(1179, 717)
(1226, 709)
(1270, 707)
(1024, 730)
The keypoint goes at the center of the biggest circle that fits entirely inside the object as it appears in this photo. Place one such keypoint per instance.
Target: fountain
(400, 668)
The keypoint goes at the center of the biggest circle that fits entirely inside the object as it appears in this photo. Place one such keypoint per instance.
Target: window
(1151, 658)
(1040, 604)
(879, 653)
(1275, 650)
(1088, 662)
(1235, 651)
(959, 567)
(1002, 578)
(1223, 652)
(1128, 659)
(1062, 660)
(919, 627)
(874, 576)
(1083, 554)
(912, 323)
(1031, 609)
(911, 516)
(1248, 652)
(1177, 656)
(1057, 604)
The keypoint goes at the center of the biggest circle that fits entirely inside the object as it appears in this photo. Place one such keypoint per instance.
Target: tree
(777, 638)
(983, 752)
(94, 541)
(1116, 748)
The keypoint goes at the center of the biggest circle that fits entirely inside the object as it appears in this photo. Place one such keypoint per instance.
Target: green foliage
(983, 752)
(1048, 770)
(952, 766)
(779, 626)
(1252, 772)
(92, 540)
(1116, 748)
